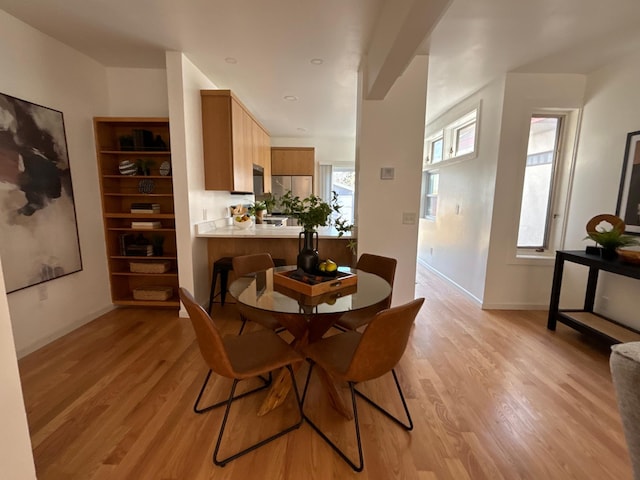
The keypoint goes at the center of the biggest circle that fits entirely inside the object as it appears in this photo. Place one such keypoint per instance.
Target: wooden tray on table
(311, 285)
(306, 300)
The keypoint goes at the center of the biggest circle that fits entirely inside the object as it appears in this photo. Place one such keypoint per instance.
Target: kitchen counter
(224, 240)
(211, 230)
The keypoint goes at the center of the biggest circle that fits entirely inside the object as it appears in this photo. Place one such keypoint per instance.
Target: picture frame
(628, 206)
(38, 225)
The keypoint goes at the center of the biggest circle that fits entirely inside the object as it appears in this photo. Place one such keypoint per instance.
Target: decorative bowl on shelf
(629, 254)
(244, 223)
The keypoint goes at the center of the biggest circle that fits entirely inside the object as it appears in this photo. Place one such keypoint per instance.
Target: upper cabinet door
(292, 160)
(243, 149)
(228, 142)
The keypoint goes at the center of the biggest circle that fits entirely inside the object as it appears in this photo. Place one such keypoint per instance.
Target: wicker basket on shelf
(154, 293)
(158, 266)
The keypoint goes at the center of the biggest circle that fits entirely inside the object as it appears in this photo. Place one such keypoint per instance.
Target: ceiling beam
(401, 27)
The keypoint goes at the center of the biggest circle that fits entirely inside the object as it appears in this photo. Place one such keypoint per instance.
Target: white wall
(390, 134)
(193, 204)
(456, 245)
(15, 445)
(511, 283)
(611, 110)
(137, 92)
(41, 70)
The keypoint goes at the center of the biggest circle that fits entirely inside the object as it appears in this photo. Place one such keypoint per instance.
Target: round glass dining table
(307, 318)
(258, 290)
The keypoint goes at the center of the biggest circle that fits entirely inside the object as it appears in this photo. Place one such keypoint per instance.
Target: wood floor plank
(493, 395)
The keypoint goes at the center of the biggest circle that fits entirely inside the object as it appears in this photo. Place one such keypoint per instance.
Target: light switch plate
(409, 218)
(387, 173)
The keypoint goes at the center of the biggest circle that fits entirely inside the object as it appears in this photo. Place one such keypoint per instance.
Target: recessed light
(290, 98)
(317, 61)
(230, 60)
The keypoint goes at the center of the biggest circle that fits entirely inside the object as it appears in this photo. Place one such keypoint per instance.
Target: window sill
(543, 259)
(450, 161)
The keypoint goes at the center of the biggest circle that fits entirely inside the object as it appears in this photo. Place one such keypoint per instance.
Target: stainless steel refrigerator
(300, 186)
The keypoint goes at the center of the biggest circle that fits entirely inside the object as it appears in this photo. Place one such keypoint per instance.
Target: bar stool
(221, 267)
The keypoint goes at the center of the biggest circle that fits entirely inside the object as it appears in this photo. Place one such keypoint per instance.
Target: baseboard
(463, 290)
(63, 331)
(509, 306)
(481, 304)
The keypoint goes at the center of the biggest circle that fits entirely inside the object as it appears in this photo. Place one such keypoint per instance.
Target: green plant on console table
(611, 237)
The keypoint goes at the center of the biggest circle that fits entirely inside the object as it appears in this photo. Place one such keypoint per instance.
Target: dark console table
(586, 320)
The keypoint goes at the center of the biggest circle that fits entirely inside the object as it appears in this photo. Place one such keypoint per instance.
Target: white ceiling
(274, 42)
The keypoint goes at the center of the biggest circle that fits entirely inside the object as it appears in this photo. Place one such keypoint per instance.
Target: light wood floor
(493, 394)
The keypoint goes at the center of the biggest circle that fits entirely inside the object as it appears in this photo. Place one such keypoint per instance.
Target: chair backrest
(209, 338)
(384, 267)
(383, 342)
(245, 264)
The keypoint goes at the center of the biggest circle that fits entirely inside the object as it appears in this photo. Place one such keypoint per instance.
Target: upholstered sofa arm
(625, 370)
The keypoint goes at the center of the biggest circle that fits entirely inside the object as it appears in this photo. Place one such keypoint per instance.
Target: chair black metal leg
(197, 409)
(223, 462)
(354, 392)
(224, 275)
(306, 383)
(212, 292)
(379, 408)
(244, 322)
(360, 466)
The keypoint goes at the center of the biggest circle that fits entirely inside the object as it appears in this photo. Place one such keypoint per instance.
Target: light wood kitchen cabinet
(262, 154)
(292, 161)
(233, 141)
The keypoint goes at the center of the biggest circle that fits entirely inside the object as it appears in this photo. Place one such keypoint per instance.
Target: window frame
(426, 194)
(449, 136)
(561, 190)
(551, 204)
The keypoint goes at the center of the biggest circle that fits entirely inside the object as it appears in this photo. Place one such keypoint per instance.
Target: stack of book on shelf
(142, 139)
(146, 224)
(139, 250)
(145, 208)
(125, 239)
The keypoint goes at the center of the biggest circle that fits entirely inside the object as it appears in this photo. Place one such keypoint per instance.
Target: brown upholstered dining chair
(243, 265)
(384, 267)
(355, 357)
(251, 355)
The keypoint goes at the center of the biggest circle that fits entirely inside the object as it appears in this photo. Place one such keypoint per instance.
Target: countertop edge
(265, 232)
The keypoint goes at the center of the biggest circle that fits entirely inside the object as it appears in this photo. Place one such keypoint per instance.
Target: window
(465, 139)
(458, 140)
(343, 181)
(434, 149)
(430, 182)
(536, 211)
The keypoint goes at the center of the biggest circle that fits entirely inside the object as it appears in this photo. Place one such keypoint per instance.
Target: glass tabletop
(258, 290)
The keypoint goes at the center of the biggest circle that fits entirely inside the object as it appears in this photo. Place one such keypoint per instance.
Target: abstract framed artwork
(628, 207)
(38, 230)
